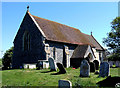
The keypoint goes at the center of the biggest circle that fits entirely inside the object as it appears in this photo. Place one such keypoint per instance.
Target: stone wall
(59, 49)
(36, 50)
(100, 55)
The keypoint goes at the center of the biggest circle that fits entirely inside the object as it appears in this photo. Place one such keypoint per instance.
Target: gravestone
(64, 84)
(92, 67)
(117, 63)
(84, 69)
(96, 64)
(104, 69)
(52, 64)
(61, 68)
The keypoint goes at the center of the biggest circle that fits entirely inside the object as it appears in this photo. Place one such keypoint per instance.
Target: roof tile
(62, 33)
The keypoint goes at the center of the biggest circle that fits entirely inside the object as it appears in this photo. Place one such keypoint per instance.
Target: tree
(7, 58)
(113, 39)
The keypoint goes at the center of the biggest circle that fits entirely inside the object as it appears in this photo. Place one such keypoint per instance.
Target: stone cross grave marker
(96, 64)
(84, 69)
(104, 69)
(61, 68)
(92, 67)
(64, 84)
(52, 64)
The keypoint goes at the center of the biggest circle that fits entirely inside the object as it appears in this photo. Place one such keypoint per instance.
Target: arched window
(26, 41)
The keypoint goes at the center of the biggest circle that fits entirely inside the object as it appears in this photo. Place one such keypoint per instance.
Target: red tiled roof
(62, 33)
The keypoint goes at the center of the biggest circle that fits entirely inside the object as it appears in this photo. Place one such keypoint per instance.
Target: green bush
(114, 57)
(7, 58)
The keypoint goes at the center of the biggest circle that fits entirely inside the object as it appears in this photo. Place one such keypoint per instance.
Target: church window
(54, 53)
(26, 41)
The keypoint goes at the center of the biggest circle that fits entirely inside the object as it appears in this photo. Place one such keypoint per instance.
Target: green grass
(26, 77)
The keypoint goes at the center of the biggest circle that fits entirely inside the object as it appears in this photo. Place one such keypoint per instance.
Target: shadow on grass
(47, 71)
(58, 73)
(109, 82)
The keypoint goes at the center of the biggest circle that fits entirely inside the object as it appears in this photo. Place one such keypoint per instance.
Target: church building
(38, 39)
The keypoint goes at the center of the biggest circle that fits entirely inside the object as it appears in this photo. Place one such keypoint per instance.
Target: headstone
(84, 69)
(104, 69)
(64, 84)
(96, 64)
(111, 63)
(61, 68)
(92, 67)
(117, 63)
(52, 64)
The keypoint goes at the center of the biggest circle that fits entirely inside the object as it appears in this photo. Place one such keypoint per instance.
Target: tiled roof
(59, 32)
(93, 41)
(62, 33)
(80, 51)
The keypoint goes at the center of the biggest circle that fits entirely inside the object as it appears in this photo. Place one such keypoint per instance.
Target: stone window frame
(66, 48)
(47, 50)
(26, 34)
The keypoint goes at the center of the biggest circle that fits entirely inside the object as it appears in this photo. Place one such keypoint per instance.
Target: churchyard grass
(27, 77)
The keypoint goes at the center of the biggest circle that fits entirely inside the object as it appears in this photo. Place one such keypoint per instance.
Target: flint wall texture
(36, 51)
(59, 50)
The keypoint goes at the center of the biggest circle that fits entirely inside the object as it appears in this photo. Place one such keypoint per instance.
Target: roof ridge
(97, 42)
(57, 23)
(86, 34)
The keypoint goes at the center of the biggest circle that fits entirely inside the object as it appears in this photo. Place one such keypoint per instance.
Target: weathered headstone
(84, 69)
(117, 63)
(96, 64)
(64, 84)
(104, 69)
(61, 68)
(111, 64)
(92, 67)
(52, 64)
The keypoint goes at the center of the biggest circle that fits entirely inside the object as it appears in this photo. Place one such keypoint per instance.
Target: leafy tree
(113, 39)
(6, 60)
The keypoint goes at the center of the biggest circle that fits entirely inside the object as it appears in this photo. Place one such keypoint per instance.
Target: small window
(100, 56)
(26, 41)
(54, 53)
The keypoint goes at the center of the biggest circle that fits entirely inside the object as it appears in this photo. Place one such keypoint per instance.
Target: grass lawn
(26, 77)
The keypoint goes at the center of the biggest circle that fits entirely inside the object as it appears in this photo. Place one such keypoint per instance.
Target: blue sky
(86, 16)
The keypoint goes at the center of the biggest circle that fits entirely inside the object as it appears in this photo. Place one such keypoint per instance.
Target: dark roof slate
(93, 41)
